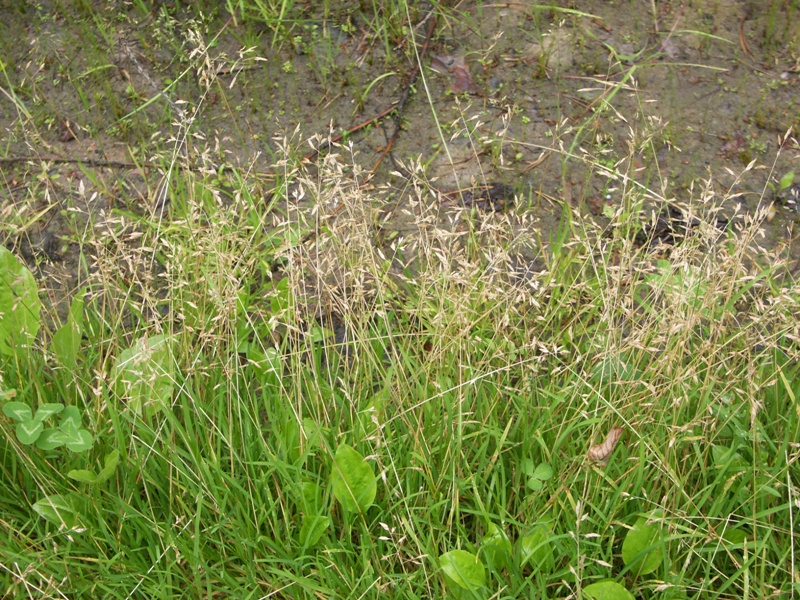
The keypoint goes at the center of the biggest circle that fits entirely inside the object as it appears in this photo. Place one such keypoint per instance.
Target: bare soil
(679, 97)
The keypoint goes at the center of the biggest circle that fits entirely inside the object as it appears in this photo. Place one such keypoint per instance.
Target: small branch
(353, 129)
(404, 98)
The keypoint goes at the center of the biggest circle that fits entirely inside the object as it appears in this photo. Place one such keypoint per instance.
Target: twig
(542, 157)
(743, 39)
(404, 98)
(353, 129)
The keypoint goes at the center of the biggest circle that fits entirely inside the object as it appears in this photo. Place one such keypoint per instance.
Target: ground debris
(458, 69)
(670, 226)
(495, 197)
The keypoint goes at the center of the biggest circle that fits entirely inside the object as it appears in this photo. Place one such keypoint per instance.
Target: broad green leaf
(57, 510)
(535, 548)
(312, 497)
(111, 462)
(243, 331)
(313, 433)
(319, 334)
(70, 419)
(463, 570)
(637, 553)
(607, 590)
(29, 431)
(786, 180)
(527, 467)
(19, 303)
(535, 484)
(45, 411)
(67, 340)
(273, 360)
(734, 537)
(313, 528)
(269, 361)
(81, 441)
(282, 298)
(86, 476)
(82, 475)
(496, 548)
(370, 416)
(543, 472)
(51, 438)
(353, 480)
(676, 591)
(144, 374)
(725, 458)
(19, 411)
(289, 440)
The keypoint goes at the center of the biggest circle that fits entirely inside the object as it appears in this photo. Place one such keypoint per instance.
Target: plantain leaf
(313, 528)
(496, 548)
(312, 497)
(535, 549)
(67, 340)
(786, 180)
(111, 462)
(86, 476)
(57, 510)
(19, 304)
(607, 590)
(463, 571)
(353, 480)
(640, 549)
(144, 374)
(82, 475)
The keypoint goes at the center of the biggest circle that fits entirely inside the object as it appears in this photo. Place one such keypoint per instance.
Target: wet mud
(517, 110)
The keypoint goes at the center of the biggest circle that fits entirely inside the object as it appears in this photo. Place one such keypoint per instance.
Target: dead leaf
(65, 132)
(596, 205)
(733, 146)
(601, 452)
(457, 67)
(770, 212)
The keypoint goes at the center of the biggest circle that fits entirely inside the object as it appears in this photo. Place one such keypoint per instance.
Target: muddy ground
(536, 104)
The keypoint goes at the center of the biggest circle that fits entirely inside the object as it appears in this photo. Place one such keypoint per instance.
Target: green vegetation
(253, 396)
(244, 446)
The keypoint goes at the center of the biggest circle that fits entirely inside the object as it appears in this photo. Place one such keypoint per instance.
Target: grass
(233, 340)
(448, 380)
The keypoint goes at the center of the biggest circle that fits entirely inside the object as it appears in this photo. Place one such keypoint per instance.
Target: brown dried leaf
(458, 69)
(441, 64)
(65, 132)
(734, 146)
(601, 452)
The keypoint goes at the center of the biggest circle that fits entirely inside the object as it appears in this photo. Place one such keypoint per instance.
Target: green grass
(448, 380)
(284, 335)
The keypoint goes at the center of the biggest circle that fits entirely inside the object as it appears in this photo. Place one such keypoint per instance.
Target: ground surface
(532, 312)
(680, 97)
